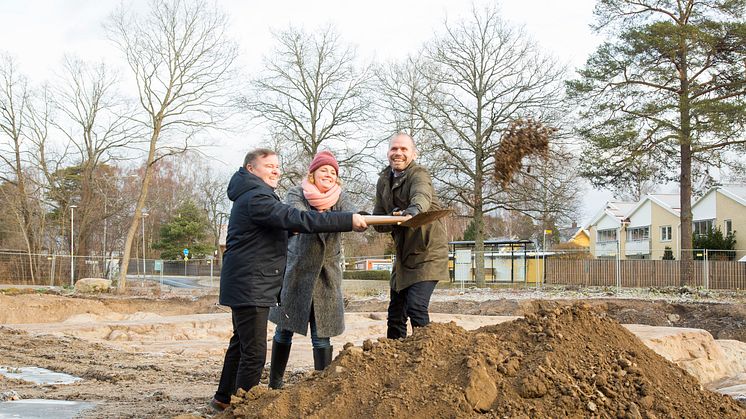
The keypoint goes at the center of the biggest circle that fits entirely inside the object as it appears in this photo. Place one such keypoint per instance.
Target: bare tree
(314, 95)
(180, 56)
(189, 177)
(56, 190)
(468, 85)
(98, 124)
(401, 86)
(214, 201)
(14, 112)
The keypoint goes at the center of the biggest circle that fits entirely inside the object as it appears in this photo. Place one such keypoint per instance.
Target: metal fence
(48, 269)
(21, 268)
(530, 269)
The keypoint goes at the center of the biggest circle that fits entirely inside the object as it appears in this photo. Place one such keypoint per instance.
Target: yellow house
(723, 207)
(651, 226)
(581, 238)
(606, 230)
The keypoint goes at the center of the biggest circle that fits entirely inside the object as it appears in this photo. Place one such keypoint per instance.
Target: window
(728, 227)
(638, 233)
(608, 235)
(666, 233)
(702, 227)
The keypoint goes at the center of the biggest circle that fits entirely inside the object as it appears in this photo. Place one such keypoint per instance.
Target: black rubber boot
(322, 357)
(280, 354)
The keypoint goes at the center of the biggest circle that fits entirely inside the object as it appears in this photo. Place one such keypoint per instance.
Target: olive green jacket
(421, 253)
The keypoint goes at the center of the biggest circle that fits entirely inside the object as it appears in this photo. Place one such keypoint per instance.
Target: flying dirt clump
(568, 361)
(523, 138)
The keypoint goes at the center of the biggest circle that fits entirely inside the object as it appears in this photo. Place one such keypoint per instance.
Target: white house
(605, 229)
(651, 226)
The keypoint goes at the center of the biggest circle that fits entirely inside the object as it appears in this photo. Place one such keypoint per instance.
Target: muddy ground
(108, 340)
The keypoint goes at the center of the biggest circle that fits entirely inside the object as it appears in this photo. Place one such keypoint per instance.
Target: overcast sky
(39, 32)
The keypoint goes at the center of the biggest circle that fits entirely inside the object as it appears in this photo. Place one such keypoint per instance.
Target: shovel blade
(426, 217)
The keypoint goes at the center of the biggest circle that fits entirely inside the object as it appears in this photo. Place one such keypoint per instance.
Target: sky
(38, 33)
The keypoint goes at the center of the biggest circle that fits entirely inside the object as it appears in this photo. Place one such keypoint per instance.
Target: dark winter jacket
(421, 253)
(313, 276)
(256, 246)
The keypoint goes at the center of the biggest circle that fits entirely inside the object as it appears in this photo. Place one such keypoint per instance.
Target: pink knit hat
(323, 158)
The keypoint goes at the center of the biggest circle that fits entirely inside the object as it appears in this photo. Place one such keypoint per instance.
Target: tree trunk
(478, 229)
(132, 232)
(687, 263)
(25, 215)
(685, 180)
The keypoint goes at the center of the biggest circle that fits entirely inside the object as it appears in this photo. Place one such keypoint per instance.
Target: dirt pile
(566, 361)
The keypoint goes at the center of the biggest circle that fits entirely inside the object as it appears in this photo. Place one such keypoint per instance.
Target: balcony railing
(606, 249)
(637, 247)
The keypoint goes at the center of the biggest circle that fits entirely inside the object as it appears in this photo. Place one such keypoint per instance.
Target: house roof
(615, 209)
(672, 200)
(669, 202)
(736, 192)
(580, 230)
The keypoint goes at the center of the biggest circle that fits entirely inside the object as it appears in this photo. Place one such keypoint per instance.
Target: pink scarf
(320, 201)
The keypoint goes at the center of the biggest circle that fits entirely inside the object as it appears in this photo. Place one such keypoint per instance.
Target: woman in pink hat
(312, 287)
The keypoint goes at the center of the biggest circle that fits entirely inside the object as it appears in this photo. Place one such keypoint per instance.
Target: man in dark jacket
(254, 263)
(421, 253)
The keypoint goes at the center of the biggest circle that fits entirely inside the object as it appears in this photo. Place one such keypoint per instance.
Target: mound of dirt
(566, 361)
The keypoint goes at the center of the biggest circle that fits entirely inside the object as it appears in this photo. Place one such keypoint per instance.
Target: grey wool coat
(313, 275)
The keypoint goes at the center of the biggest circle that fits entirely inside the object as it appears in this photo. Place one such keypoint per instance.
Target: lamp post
(72, 244)
(144, 214)
(106, 224)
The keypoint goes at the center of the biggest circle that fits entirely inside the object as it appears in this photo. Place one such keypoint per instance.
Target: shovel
(418, 220)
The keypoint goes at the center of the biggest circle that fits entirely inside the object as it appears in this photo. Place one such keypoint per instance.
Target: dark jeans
(411, 302)
(286, 336)
(247, 352)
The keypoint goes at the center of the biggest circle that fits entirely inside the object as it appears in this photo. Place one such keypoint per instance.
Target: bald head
(403, 136)
(402, 151)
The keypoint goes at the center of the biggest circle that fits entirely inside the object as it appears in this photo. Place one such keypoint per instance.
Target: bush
(367, 275)
(668, 254)
(715, 240)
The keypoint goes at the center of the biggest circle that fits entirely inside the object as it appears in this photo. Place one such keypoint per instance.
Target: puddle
(738, 392)
(38, 375)
(43, 409)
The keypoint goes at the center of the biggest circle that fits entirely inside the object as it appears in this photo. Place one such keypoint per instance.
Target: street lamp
(144, 214)
(72, 244)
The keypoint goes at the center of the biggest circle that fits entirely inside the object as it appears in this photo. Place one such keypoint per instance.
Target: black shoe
(218, 405)
(280, 354)
(322, 357)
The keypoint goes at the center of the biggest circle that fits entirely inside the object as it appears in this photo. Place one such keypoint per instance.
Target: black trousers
(411, 302)
(247, 352)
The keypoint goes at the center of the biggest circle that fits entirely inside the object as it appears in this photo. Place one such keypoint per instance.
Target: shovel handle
(377, 220)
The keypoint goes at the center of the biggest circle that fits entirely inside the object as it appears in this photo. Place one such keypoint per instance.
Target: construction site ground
(493, 353)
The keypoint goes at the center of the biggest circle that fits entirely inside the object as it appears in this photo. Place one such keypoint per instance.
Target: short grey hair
(252, 155)
(404, 134)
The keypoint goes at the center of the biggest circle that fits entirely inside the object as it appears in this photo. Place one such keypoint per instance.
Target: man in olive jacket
(421, 253)
(254, 263)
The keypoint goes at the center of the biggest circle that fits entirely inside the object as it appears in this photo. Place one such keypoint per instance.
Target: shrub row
(367, 275)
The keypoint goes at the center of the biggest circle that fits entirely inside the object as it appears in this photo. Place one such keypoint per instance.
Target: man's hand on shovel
(398, 213)
(407, 220)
